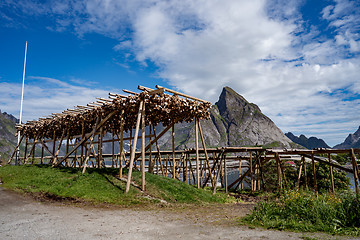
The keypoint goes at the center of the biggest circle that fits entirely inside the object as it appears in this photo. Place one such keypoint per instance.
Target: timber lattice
(83, 129)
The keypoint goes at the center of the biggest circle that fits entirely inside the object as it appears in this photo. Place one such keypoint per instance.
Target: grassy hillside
(101, 186)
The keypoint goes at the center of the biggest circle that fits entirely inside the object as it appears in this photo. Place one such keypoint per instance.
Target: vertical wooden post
(278, 167)
(251, 173)
(299, 175)
(121, 143)
(67, 145)
(151, 163)
(305, 172)
(100, 147)
(331, 175)
(42, 153)
(82, 158)
(143, 147)
(225, 174)
(355, 170)
(26, 146)
(314, 173)
(53, 148)
(197, 153)
(113, 148)
(132, 157)
(356, 165)
(173, 150)
(75, 157)
(33, 150)
(240, 174)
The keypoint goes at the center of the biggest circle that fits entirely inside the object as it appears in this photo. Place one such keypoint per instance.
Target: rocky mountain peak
(352, 141)
(230, 102)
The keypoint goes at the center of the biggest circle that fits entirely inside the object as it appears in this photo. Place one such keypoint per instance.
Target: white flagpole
(21, 105)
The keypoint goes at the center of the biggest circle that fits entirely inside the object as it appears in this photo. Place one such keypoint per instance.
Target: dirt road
(21, 217)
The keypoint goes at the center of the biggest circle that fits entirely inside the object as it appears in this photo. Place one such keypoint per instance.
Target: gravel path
(22, 217)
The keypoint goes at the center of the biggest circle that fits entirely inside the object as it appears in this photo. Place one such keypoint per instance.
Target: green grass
(101, 186)
(306, 212)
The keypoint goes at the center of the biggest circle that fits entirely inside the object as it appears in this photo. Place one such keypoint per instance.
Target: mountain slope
(8, 140)
(234, 122)
(352, 141)
(309, 143)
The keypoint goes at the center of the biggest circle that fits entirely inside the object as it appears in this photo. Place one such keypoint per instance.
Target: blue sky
(298, 60)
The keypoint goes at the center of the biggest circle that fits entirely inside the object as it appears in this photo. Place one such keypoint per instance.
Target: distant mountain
(8, 141)
(309, 143)
(234, 122)
(352, 141)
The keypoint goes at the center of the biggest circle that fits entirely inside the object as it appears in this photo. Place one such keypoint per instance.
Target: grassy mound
(101, 186)
(306, 212)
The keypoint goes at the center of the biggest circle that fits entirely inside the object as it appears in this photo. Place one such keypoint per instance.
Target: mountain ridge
(309, 143)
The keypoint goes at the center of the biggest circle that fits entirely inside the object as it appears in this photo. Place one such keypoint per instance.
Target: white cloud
(43, 96)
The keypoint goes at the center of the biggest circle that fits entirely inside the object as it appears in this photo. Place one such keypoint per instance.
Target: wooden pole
(82, 145)
(58, 148)
(277, 158)
(331, 175)
(53, 146)
(218, 172)
(16, 151)
(299, 175)
(225, 174)
(151, 161)
(113, 149)
(240, 173)
(143, 147)
(251, 173)
(42, 154)
(25, 150)
(354, 164)
(100, 147)
(132, 157)
(67, 144)
(197, 153)
(206, 154)
(121, 143)
(98, 125)
(173, 149)
(314, 173)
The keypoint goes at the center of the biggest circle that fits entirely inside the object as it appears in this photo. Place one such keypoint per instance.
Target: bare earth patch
(23, 217)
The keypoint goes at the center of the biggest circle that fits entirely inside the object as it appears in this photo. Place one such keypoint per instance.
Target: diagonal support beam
(103, 121)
